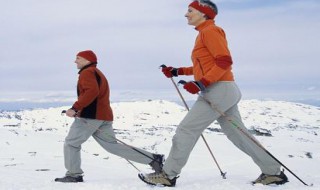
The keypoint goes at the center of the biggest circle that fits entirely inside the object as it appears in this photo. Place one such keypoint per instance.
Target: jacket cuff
(205, 82)
(74, 109)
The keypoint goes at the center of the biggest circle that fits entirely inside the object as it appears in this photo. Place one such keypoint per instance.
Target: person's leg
(200, 116)
(105, 136)
(267, 164)
(79, 132)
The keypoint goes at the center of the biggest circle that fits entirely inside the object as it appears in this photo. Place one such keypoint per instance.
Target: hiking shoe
(158, 179)
(157, 162)
(271, 179)
(69, 179)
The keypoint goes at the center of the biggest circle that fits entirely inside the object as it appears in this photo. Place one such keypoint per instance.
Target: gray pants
(103, 133)
(225, 97)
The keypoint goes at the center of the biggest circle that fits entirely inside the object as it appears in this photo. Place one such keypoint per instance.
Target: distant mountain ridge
(265, 116)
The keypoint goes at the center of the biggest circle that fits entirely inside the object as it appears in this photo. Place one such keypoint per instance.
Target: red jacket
(93, 94)
(210, 56)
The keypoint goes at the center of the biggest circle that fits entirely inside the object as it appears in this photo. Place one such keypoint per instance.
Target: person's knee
(74, 143)
(185, 135)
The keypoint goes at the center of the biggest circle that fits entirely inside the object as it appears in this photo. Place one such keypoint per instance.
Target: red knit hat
(88, 55)
(204, 8)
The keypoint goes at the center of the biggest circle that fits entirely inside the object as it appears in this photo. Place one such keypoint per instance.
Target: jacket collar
(94, 64)
(204, 24)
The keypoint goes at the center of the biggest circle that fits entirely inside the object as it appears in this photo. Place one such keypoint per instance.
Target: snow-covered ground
(31, 143)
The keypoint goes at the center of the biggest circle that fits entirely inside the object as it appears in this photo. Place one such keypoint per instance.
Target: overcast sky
(274, 42)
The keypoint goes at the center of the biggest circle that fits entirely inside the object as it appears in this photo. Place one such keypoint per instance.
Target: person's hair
(210, 4)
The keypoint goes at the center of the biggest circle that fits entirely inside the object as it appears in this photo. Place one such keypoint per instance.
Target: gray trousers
(225, 97)
(102, 131)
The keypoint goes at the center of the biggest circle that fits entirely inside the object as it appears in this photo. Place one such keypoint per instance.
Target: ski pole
(223, 174)
(101, 131)
(234, 124)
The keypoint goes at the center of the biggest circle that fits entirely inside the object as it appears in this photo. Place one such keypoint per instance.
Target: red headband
(204, 9)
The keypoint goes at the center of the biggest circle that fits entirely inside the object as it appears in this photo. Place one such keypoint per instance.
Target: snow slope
(31, 143)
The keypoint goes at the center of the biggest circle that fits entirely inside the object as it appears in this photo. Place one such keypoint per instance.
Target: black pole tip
(224, 175)
(182, 82)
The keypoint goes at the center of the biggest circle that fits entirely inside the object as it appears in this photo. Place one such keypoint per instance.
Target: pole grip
(182, 82)
(163, 66)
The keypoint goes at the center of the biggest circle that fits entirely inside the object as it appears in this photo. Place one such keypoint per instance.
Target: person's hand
(170, 72)
(71, 113)
(194, 86)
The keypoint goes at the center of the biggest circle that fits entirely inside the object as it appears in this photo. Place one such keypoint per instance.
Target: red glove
(170, 72)
(195, 86)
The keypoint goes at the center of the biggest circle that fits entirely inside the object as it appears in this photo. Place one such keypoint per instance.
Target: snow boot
(69, 179)
(157, 162)
(271, 179)
(158, 179)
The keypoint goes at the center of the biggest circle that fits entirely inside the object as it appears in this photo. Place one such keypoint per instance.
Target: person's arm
(187, 70)
(90, 87)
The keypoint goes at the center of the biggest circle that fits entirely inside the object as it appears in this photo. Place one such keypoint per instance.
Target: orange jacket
(93, 94)
(210, 56)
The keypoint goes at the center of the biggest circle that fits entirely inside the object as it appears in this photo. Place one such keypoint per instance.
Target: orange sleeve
(187, 70)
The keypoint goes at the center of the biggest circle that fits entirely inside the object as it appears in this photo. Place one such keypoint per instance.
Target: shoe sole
(61, 180)
(141, 176)
(275, 183)
(68, 181)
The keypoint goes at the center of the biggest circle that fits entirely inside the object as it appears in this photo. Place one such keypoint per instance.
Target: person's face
(81, 62)
(194, 16)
